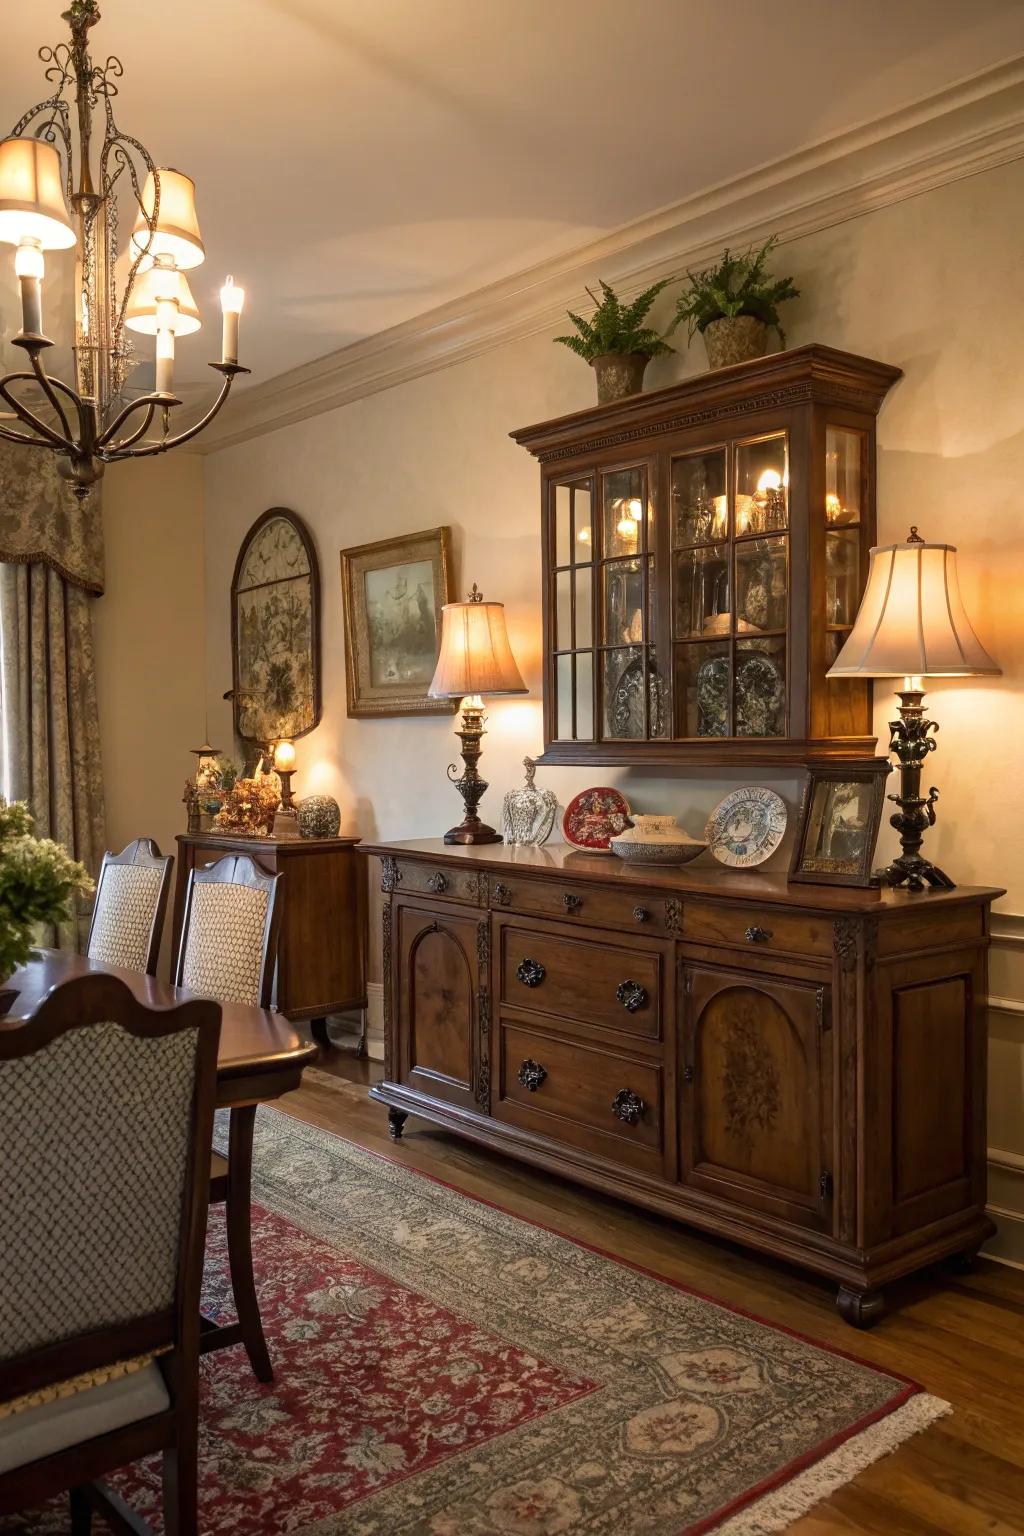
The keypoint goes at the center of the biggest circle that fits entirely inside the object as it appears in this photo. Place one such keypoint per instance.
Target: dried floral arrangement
(248, 809)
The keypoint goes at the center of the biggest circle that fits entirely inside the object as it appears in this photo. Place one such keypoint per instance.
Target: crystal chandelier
(92, 425)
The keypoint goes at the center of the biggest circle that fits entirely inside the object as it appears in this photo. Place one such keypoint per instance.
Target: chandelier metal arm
(28, 417)
(140, 431)
(107, 436)
(50, 388)
(23, 438)
(229, 370)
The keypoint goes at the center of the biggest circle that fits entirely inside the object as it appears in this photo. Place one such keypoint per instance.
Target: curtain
(49, 722)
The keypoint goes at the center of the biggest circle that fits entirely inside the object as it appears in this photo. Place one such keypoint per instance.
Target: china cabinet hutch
(704, 554)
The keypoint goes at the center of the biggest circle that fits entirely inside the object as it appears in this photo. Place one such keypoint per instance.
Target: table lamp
(286, 822)
(912, 623)
(475, 659)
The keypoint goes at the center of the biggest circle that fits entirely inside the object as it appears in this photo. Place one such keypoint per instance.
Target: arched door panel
(436, 993)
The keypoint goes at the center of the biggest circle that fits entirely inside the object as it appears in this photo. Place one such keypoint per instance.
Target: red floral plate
(594, 817)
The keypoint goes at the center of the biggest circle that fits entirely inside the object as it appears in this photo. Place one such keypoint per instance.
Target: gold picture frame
(393, 592)
(839, 822)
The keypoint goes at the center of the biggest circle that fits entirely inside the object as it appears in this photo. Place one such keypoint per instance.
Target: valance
(41, 523)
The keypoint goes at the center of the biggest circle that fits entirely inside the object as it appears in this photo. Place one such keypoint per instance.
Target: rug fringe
(782, 1506)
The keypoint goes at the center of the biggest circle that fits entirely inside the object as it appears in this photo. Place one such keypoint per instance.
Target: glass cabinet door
(572, 609)
(632, 691)
(845, 451)
(730, 586)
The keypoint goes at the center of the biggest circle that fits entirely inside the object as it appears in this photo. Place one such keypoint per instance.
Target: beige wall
(150, 644)
(932, 284)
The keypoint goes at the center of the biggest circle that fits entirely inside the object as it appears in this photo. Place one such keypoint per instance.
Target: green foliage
(617, 327)
(38, 883)
(736, 285)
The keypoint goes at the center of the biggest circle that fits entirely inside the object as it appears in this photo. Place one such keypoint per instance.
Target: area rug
(444, 1368)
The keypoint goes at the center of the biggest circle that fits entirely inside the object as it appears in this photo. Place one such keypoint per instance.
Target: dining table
(260, 1057)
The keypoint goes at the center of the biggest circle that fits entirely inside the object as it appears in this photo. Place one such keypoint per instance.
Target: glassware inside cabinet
(702, 588)
(625, 510)
(762, 586)
(762, 485)
(700, 513)
(844, 467)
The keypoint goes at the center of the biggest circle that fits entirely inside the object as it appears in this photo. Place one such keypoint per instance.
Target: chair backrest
(106, 1114)
(128, 913)
(229, 928)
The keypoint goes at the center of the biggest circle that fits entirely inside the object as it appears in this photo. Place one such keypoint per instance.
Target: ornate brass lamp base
(471, 831)
(912, 740)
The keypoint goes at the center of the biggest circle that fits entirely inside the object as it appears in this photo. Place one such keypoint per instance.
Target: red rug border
(909, 1387)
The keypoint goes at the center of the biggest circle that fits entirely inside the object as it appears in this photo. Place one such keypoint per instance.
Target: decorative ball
(319, 816)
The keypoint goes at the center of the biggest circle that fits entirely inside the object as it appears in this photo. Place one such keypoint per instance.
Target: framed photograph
(275, 630)
(839, 821)
(393, 593)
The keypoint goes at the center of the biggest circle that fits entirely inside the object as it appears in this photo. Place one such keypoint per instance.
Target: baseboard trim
(1007, 1246)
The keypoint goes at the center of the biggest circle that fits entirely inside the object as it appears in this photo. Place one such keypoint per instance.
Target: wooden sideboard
(321, 957)
(801, 1070)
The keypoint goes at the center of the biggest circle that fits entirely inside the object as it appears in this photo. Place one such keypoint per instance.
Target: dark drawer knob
(502, 894)
(641, 915)
(572, 903)
(631, 995)
(530, 972)
(756, 935)
(531, 1074)
(628, 1106)
(438, 882)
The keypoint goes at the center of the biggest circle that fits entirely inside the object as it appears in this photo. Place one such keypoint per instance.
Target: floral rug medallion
(444, 1368)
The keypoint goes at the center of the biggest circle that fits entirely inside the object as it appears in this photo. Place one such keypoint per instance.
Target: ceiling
(359, 164)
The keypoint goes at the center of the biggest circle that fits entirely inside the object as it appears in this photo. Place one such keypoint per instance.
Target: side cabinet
(758, 1093)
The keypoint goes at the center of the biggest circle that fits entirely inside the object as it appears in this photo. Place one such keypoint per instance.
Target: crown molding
(969, 127)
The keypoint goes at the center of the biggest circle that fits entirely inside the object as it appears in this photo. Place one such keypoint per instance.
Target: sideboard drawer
(568, 1091)
(757, 928)
(581, 978)
(414, 878)
(626, 911)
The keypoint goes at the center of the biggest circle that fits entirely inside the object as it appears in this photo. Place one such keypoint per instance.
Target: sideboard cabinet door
(436, 994)
(758, 1092)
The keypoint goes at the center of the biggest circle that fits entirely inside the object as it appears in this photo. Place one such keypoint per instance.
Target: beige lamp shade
(177, 225)
(32, 203)
(476, 657)
(912, 621)
(152, 287)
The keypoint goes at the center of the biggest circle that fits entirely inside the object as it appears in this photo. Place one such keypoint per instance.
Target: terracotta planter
(619, 375)
(735, 339)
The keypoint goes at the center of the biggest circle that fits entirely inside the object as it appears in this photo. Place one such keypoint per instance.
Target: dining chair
(228, 951)
(106, 1113)
(128, 913)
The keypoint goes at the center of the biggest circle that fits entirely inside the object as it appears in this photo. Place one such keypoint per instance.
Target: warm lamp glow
(476, 657)
(32, 203)
(167, 285)
(232, 297)
(284, 757)
(176, 235)
(771, 480)
(912, 621)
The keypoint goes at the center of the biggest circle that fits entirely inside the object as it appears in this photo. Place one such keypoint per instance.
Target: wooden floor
(960, 1336)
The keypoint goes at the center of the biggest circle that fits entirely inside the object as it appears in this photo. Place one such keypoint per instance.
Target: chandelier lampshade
(32, 206)
(176, 234)
(162, 285)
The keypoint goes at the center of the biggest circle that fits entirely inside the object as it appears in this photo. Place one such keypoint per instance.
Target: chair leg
(181, 1490)
(81, 1512)
(239, 1226)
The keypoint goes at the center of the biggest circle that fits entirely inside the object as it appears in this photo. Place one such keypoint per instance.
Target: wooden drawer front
(602, 1100)
(625, 911)
(579, 978)
(758, 928)
(416, 879)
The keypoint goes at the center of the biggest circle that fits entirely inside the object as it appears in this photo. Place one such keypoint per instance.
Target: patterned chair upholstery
(226, 950)
(131, 896)
(100, 1129)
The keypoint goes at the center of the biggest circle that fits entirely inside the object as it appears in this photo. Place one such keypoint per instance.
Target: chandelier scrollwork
(90, 425)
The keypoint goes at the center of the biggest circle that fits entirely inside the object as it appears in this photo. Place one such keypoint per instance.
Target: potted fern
(39, 882)
(616, 342)
(734, 304)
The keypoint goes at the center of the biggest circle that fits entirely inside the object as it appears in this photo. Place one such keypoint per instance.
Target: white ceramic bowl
(656, 840)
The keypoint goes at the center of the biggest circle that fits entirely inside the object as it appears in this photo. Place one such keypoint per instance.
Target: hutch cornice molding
(969, 127)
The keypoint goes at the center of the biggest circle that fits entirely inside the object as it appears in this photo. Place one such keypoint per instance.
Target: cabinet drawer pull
(628, 1106)
(530, 972)
(438, 882)
(572, 903)
(502, 894)
(631, 995)
(757, 935)
(687, 1074)
(641, 915)
(531, 1074)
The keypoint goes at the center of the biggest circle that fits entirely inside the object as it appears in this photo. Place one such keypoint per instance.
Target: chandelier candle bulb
(164, 361)
(231, 300)
(30, 266)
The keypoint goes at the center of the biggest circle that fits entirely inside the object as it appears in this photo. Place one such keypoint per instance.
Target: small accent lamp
(912, 623)
(475, 659)
(286, 821)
